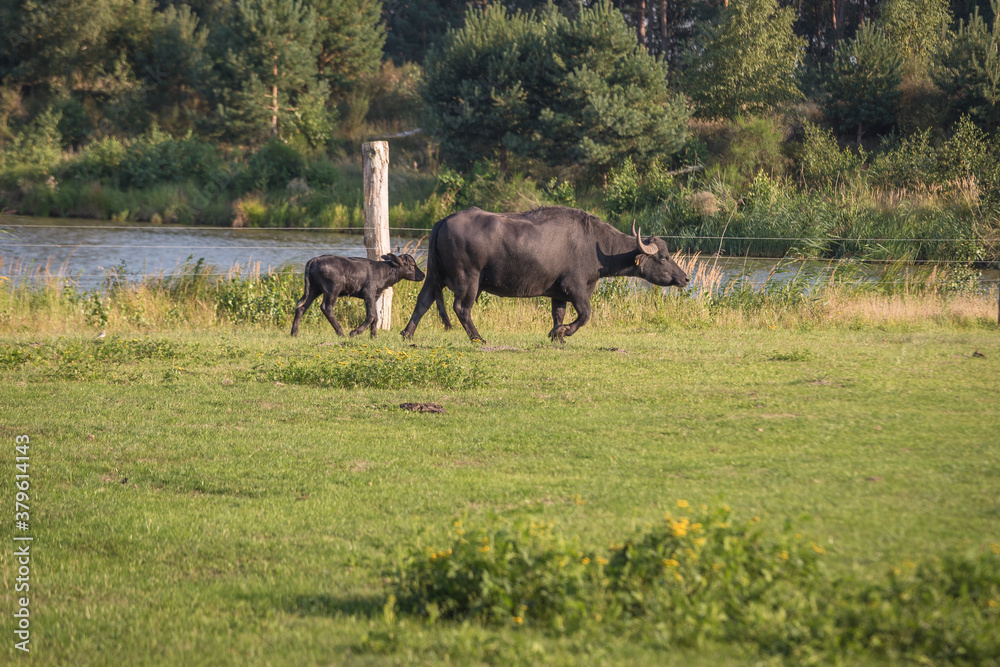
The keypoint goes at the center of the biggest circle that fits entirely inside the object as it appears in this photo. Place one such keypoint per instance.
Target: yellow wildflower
(518, 620)
(670, 562)
(602, 561)
(585, 561)
(818, 549)
(682, 504)
(783, 555)
(485, 549)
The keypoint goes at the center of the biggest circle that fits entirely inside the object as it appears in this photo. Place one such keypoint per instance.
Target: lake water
(83, 251)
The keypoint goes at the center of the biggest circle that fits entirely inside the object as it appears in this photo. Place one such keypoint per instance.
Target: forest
(750, 127)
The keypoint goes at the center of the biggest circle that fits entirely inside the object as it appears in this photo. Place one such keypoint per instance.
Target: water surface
(84, 251)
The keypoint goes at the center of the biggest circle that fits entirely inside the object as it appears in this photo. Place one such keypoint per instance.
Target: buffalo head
(655, 263)
(407, 266)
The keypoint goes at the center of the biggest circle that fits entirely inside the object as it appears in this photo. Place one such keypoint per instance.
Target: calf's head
(655, 264)
(407, 266)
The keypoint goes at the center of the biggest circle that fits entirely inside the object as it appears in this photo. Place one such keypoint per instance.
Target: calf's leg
(371, 315)
(303, 305)
(327, 308)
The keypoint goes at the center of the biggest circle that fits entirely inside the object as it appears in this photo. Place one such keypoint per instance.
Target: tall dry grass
(42, 299)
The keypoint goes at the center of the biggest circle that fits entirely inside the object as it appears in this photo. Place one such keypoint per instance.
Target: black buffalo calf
(334, 276)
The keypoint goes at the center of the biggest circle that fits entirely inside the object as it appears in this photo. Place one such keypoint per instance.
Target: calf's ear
(392, 259)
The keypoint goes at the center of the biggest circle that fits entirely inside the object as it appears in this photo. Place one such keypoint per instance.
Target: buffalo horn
(646, 249)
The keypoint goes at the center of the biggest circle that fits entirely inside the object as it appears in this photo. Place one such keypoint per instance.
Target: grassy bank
(201, 296)
(206, 489)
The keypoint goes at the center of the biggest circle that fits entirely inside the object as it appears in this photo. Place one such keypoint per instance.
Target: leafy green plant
(520, 573)
(823, 162)
(272, 165)
(628, 192)
(382, 368)
(258, 299)
(705, 576)
(906, 163)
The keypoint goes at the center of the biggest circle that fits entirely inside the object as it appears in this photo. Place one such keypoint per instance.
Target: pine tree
(351, 37)
(967, 70)
(479, 82)
(171, 62)
(749, 61)
(862, 83)
(606, 99)
(575, 92)
(916, 28)
(267, 79)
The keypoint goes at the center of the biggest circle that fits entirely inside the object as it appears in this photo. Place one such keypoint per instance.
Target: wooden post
(375, 159)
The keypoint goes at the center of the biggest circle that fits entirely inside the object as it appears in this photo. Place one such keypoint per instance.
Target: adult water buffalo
(556, 252)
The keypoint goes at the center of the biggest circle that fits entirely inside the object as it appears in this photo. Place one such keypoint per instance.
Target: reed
(43, 297)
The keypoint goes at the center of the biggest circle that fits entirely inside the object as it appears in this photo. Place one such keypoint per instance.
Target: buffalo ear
(392, 259)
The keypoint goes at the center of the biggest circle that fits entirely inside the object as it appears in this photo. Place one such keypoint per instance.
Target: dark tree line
(545, 80)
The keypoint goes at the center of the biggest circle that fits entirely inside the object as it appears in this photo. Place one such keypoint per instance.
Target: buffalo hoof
(557, 333)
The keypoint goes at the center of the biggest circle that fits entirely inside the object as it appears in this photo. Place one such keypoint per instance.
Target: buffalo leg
(558, 315)
(428, 294)
(371, 316)
(463, 308)
(327, 308)
(582, 307)
(442, 310)
(301, 307)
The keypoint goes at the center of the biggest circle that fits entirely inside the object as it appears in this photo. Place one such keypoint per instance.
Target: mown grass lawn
(212, 498)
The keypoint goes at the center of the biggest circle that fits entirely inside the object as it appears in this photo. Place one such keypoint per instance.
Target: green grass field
(231, 495)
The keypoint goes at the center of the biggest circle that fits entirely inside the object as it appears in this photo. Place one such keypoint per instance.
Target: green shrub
(628, 192)
(910, 162)
(153, 157)
(757, 145)
(380, 368)
(271, 166)
(258, 299)
(514, 574)
(705, 576)
(711, 577)
(322, 173)
(822, 161)
(37, 143)
(105, 359)
(488, 188)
